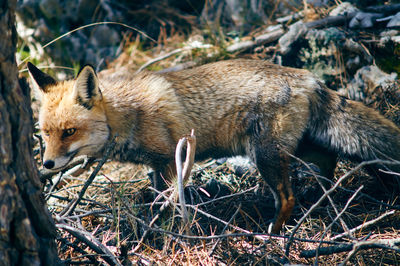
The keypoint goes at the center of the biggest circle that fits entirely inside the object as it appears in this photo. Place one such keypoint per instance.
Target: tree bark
(27, 231)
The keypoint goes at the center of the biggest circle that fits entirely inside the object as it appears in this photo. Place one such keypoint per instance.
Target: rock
(367, 79)
(389, 35)
(364, 20)
(296, 31)
(343, 8)
(320, 54)
(394, 21)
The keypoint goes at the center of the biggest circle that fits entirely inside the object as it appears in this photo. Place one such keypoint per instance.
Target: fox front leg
(163, 176)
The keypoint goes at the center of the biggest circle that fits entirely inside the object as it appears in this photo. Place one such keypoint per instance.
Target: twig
(78, 249)
(392, 244)
(259, 40)
(259, 236)
(91, 241)
(327, 193)
(182, 176)
(334, 221)
(223, 230)
(226, 197)
(317, 177)
(379, 243)
(162, 57)
(91, 25)
(77, 167)
(55, 184)
(71, 169)
(109, 148)
(365, 225)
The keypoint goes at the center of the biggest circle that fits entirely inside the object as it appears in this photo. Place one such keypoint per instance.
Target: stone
(296, 31)
(394, 21)
(367, 79)
(343, 8)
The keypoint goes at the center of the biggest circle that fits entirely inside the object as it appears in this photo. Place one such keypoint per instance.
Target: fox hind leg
(273, 164)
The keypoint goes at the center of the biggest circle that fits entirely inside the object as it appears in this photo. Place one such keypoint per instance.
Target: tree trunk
(27, 231)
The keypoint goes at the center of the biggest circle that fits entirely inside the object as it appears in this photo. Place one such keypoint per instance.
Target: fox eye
(69, 132)
(46, 133)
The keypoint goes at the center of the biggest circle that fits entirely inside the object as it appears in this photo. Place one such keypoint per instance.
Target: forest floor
(355, 220)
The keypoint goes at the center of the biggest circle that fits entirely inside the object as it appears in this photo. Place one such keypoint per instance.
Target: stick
(334, 221)
(91, 241)
(380, 243)
(223, 230)
(365, 225)
(317, 177)
(109, 148)
(259, 40)
(327, 193)
(70, 169)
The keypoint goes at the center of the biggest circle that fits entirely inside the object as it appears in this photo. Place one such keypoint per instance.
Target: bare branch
(334, 221)
(327, 193)
(109, 148)
(366, 224)
(91, 241)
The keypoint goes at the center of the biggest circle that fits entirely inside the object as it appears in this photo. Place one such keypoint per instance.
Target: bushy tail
(352, 129)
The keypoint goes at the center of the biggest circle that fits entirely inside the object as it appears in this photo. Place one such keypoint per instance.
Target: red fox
(237, 107)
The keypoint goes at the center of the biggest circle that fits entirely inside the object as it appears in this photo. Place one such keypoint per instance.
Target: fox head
(72, 117)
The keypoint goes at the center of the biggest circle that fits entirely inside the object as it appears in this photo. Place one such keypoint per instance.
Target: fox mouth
(65, 165)
(71, 156)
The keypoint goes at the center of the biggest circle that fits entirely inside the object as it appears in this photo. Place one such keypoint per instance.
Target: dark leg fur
(273, 164)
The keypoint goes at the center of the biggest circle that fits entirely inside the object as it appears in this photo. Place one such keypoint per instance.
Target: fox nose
(48, 164)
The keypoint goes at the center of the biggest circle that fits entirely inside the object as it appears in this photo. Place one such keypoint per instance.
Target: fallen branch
(259, 40)
(91, 242)
(393, 244)
(260, 236)
(366, 224)
(329, 21)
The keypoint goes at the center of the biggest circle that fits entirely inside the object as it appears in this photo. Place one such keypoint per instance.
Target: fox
(236, 107)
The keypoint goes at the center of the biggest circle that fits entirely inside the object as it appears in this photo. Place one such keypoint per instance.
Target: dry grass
(120, 195)
(119, 205)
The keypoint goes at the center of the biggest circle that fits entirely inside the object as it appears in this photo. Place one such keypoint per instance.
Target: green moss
(389, 59)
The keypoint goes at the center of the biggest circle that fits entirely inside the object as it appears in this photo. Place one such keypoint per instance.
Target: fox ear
(40, 80)
(86, 87)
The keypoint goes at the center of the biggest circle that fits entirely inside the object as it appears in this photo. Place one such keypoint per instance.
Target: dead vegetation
(352, 219)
